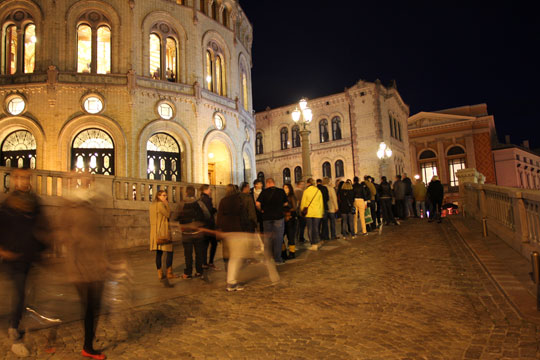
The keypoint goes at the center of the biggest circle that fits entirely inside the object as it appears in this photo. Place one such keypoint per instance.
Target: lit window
(215, 69)
(295, 134)
(19, 150)
(16, 105)
(103, 50)
(286, 176)
(19, 43)
(163, 51)
(165, 111)
(163, 154)
(219, 122)
(324, 136)
(29, 48)
(245, 91)
(11, 50)
(93, 44)
(428, 165)
(93, 105)
(84, 48)
(93, 152)
(284, 138)
(155, 56)
(170, 73)
(336, 128)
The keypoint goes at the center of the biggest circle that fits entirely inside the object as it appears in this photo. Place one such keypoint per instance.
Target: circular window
(16, 105)
(93, 105)
(165, 111)
(219, 122)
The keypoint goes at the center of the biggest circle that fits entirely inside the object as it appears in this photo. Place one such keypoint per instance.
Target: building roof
(467, 110)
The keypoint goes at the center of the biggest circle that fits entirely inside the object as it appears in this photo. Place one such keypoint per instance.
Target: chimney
(507, 139)
(526, 144)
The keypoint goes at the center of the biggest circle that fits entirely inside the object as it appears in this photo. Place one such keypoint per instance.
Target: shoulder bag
(305, 210)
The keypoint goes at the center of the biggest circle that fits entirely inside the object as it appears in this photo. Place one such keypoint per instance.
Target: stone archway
(219, 162)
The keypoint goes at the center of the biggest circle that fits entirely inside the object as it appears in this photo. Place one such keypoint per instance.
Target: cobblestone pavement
(415, 292)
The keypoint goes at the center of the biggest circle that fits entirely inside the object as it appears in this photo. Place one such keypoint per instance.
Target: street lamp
(304, 117)
(384, 153)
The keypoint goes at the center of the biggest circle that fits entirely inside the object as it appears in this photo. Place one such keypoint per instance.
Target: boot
(284, 255)
(160, 274)
(292, 250)
(170, 274)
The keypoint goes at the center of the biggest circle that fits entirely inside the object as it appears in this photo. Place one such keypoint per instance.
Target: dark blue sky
(441, 54)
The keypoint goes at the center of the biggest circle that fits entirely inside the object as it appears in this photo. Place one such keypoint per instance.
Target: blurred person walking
(249, 221)
(419, 192)
(347, 209)
(160, 235)
(209, 211)
(230, 217)
(435, 193)
(271, 202)
(24, 230)
(332, 207)
(312, 208)
(361, 198)
(291, 221)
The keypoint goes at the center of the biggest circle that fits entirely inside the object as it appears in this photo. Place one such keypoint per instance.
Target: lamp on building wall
(304, 117)
(384, 153)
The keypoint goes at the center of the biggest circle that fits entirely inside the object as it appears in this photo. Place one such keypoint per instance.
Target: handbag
(305, 210)
(367, 216)
(163, 239)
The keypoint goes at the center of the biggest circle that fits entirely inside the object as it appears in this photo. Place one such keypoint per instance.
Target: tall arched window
(286, 176)
(340, 171)
(456, 161)
(327, 170)
(163, 155)
(323, 131)
(244, 86)
(336, 128)
(163, 49)
(19, 150)
(93, 44)
(19, 43)
(259, 144)
(428, 165)
(202, 6)
(215, 10)
(225, 17)
(215, 77)
(297, 174)
(391, 125)
(284, 136)
(295, 135)
(93, 152)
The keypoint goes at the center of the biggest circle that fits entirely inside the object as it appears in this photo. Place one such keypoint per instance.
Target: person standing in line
(209, 211)
(192, 239)
(291, 221)
(271, 202)
(255, 192)
(230, 217)
(323, 227)
(313, 207)
(386, 202)
(346, 208)
(361, 197)
(160, 233)
(332, 207)
(409, 198)
(299, 192)
(378, 213)
(21, 242)
(371, 204)
(419, 192)
(399, 195)
(249, 220)
(435, 193)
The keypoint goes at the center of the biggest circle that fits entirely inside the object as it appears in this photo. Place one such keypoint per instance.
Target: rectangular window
(429, 169)
(455, 165)
(517, 157)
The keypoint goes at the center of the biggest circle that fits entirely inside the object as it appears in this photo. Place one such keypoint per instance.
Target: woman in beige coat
(159, 229)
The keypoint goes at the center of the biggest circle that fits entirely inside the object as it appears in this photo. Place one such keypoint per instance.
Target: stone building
(443, 142)
(157, 89)
(346, 131)
(517, 166)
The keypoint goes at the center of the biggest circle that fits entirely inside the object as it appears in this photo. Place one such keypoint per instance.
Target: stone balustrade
(513, 214)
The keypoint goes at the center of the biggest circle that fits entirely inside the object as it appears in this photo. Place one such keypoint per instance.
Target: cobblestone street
(414, 292)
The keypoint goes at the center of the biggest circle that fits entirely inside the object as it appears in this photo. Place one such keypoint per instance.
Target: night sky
(441, 54)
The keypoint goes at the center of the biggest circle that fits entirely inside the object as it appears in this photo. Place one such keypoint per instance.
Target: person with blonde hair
(160, 235)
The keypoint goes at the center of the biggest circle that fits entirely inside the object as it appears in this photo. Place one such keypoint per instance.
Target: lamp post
(384, 153)
(303, 117)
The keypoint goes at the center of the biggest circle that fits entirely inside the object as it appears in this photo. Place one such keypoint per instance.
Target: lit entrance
(219, 163)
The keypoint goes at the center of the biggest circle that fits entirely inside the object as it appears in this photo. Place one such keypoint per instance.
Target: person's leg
(206, 242)
(373, 215)
(356, 214)
(198, 243)
(324, 227)
(213, 249)
(290, 230)
(309, 225)
(301, 228)
(362, 206)
(188, 256)
(159, 254)
(18, 272)
(332, 218)
(316, 222)
(418, 212)
(279, 229)
(439, 210)
(423, 208)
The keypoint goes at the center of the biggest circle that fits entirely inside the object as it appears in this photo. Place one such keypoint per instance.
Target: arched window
(215, 10)
(19, 150)
(259, 144)
(327, 170)
(93, 152)
(284, 137)
(163, 49)
(225, 17)
(295, 134)
(260, 176)
(215, 69)
(297, 174)
(286, 176)
(391, 125)
(336, 128)
(202, 6)
(340, 171)
(93, 44)
(456, 161)
(163, 154)
(428, 165)
(323, 131)
(19, 43)
(399, 131)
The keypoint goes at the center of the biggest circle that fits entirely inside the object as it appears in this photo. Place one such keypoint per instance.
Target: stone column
(469, 148)
(306, 161)
(443, 171)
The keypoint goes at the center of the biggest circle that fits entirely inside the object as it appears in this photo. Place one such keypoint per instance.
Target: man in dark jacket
(409, 199)
(361, 198)
(323, 230)
(205, 202)
(385, 195)
(435, 193)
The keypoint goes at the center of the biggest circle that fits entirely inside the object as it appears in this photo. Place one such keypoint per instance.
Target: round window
(16, 105)
(93, 105)
(165, 111)
(219, 122)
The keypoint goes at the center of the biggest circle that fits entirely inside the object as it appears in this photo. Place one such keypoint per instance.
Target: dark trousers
(401, 208)
(332, 220)
(435, 209)
(291, 228)
(378, 212)
(388, 216)
(90, 294)
(191, 243)
(323, 232)
(18, 273)
(347, 224)
(301, 228)
(168, 260)
(211, 241)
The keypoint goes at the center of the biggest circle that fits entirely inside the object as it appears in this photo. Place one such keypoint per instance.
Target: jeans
(291, 228)
(274, 230)
(408, 205)
(191, 242)
(388, 216)
(209, 240)
(435, 212)
(313, 229)
(301, 228)
(347, 225)
(90, 294)
(18, 272)
(360, 206)
(323, 225)
(421, 209)
(332, 218)
(168, 261)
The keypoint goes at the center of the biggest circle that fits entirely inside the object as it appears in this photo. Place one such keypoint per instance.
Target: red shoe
(93, 355)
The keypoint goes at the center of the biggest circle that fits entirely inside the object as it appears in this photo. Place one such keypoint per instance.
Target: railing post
(520, 218)
(482, 202)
